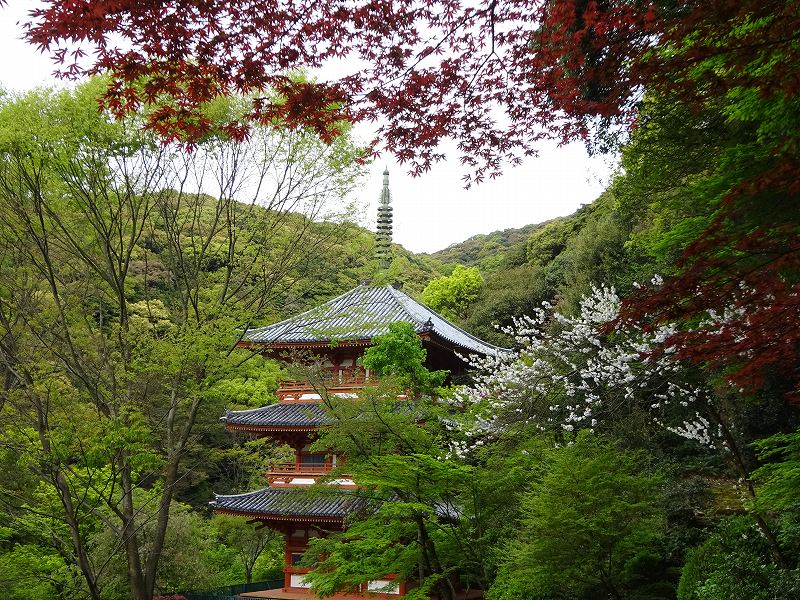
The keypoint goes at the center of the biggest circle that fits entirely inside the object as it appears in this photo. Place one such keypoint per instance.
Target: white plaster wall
(298, 581)
(382, 585)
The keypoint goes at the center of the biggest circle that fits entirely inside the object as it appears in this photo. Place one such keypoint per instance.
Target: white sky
(431, 211)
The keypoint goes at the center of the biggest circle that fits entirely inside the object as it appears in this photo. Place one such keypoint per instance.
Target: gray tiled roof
(300, 414)
(291, 502)
(295, 414)
(362, 314)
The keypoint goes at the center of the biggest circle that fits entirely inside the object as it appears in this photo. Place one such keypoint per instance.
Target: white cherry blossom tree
(591, 372)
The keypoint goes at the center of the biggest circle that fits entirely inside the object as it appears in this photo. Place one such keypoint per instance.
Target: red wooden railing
(335, 380)
(293, 469)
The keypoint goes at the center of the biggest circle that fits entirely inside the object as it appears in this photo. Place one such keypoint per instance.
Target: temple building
(337, 333)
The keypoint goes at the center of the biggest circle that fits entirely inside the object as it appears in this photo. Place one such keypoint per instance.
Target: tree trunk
(130, 540)
(744, 473)
(444, 585)
(81, 556)
(175, 451)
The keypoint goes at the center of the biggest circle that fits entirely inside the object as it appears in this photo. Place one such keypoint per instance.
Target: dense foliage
(451, 295)
(640, 438)
(591, 527)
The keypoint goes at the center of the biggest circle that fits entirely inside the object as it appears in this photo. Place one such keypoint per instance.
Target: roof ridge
(239, 495)
(363, 313)
(396, 294)
(259, 408)
(299, 491)
(305, 312)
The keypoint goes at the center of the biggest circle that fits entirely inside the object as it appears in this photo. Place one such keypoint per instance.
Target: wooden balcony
(335, 381)
(295, 469)
(284, 473)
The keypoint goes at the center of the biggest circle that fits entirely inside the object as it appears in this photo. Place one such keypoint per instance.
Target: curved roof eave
(360, 315)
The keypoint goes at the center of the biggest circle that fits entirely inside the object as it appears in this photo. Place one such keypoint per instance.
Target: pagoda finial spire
(383, 240)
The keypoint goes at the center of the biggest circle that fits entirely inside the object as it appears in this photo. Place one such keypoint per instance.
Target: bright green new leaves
(397, 453)
(451, 295)
(780, 478)
(31, 572)
(414, 521)
(399, 354)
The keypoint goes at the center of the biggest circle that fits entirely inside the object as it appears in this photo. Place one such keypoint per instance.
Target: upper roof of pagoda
(360, 315)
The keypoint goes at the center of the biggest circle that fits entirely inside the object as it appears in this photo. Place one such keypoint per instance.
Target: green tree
(122, 286)
(412, 487)
(248, 541)
(183, 559)
(508, 293)
(399, 354)
(734, 563)
(590, 528)
(451, 295)
(413, 527)
(33, 572)
(779, 478)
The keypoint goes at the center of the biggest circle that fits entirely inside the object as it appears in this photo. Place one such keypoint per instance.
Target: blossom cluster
(570, 373)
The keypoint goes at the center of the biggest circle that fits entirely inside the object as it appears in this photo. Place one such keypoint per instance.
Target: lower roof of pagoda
(283, 416)
(292, 504)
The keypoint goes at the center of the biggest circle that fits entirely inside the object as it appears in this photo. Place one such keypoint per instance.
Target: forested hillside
(487, 251)
(556, 261)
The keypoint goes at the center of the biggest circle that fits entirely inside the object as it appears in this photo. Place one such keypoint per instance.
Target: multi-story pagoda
(337, 333)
